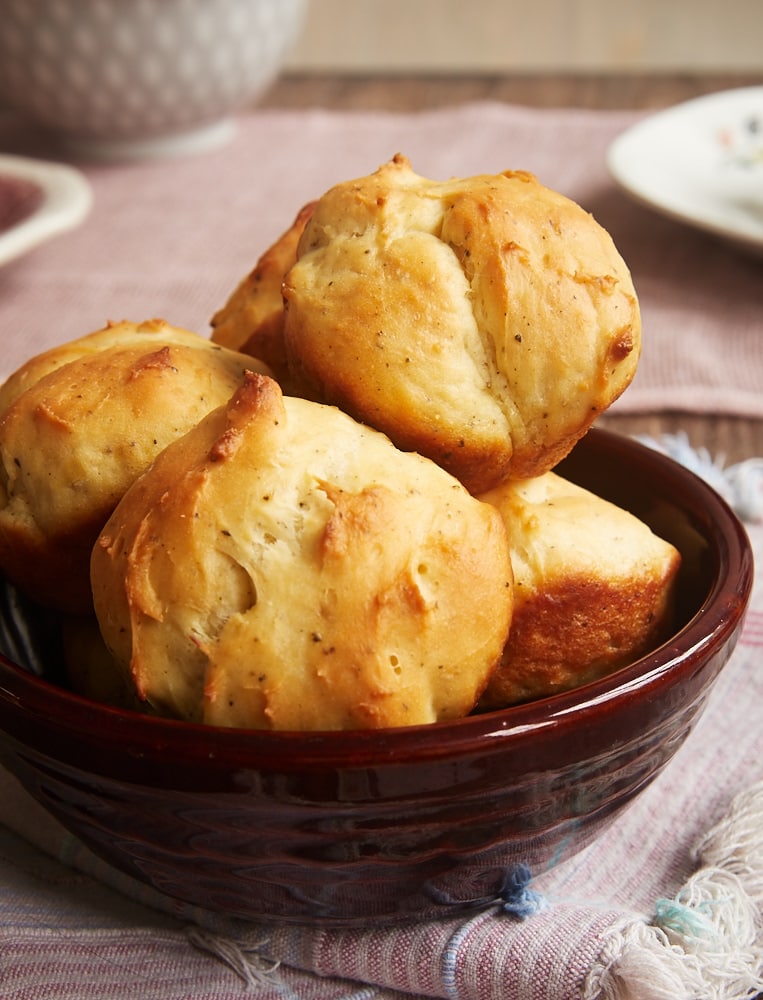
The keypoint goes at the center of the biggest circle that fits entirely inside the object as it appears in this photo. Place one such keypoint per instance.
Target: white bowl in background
(127, 78)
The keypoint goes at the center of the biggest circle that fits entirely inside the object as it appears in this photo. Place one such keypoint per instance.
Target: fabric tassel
(638, 962)
(244, 959)
(740, 485)
(517, 898)
(736, 843)
(707, 942)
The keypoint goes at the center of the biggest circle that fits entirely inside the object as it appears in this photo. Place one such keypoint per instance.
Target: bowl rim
(714, 623)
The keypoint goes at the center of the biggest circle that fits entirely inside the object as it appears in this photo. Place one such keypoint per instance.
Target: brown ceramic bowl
(368, 826)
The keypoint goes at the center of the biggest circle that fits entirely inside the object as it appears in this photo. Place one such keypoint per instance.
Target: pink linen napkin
(172, 238)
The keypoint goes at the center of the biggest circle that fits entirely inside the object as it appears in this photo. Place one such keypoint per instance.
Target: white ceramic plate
(64, 201)
(700, 162)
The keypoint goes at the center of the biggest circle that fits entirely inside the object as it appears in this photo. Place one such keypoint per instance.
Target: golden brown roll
(83, 422)
(484, 322)
(251, 320)
(112, 335)
(593, 588)
(284, 567)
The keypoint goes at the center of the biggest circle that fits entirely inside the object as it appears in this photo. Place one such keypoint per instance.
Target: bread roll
(484, 322)
(112, 335)
(82, 422)
(593, 588)
(283, 567)
(251, 320)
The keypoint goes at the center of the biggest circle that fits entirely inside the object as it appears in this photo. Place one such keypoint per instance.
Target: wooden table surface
(732, 438)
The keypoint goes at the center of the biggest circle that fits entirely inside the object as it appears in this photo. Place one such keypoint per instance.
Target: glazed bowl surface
(421, 822)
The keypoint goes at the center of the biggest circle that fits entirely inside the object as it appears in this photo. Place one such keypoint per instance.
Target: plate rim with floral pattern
(699, 162)
(65, 198)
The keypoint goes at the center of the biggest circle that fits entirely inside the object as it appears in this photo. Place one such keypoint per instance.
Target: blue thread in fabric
(516, 897)
(450, 955)
(689, 922)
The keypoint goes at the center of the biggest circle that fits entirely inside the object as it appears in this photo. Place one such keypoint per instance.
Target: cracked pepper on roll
(80, 423)
(484, 322)
(282, 566)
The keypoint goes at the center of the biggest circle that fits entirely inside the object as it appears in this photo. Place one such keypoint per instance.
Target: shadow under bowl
(421, 822)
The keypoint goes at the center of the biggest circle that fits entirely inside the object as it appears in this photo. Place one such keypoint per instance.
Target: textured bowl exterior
(132, 69)
(423, 822)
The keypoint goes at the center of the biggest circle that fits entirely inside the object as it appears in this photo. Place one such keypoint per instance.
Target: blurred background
(454, 36)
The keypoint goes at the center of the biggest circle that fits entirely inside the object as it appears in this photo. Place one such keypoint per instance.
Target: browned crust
(579, 630)
(251, 321)
(484, 322)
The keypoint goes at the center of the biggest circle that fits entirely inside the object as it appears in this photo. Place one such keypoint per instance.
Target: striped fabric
(172, 238)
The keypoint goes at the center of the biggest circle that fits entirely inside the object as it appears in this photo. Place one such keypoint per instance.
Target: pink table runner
(171, 239)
